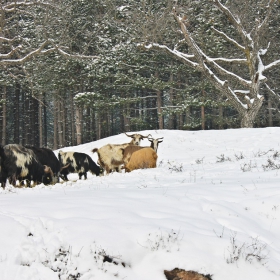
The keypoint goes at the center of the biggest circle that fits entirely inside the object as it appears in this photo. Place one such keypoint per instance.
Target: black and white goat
(74, 162)
(20, 163)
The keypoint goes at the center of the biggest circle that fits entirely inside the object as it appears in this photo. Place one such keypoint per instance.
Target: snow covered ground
(212, 205)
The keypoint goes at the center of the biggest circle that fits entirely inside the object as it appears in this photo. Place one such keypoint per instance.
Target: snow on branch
(271, 65)
(230, 60)
(202, 57)
(236, 21)
(228, 38)
(7, 40)
(262, 25)
(4, 56)
(40, 50)
(184, 57)
(11, 7)
(270, 90)
(26, 57)
(65, 54)
(223, 71)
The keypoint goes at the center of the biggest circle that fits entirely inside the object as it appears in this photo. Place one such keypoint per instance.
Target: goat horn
(128, 135)
(63, 167)
(146, 136)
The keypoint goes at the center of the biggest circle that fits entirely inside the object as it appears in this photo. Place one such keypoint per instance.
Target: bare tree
(240, 88)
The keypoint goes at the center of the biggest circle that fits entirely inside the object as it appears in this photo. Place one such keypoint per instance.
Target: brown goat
(143, 158)
(110, 156)
(129, 150)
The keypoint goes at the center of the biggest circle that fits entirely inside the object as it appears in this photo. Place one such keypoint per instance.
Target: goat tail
(95, 150)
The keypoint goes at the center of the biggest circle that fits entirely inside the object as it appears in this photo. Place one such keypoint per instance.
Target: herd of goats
(40, 165)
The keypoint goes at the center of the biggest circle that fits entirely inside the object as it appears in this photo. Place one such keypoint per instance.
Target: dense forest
(77, 71)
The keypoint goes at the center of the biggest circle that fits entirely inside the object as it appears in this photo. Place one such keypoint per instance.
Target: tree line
(77, 71)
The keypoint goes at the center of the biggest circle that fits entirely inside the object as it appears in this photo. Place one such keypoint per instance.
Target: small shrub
(199, 161)
(240, 156)
(175, 167)
(248, 166)
(260, 153)
(276, 155)
(255, 250)
(271, 165)
(163, 241)
(222, 158)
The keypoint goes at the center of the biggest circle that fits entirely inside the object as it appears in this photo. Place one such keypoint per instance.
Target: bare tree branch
(10, 7)
(229, 39)
(40, 50)
(4, 56)
(182, 56)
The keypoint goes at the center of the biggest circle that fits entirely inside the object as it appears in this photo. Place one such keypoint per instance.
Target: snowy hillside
(212, 205)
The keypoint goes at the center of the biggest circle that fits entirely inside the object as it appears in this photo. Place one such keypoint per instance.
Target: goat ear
(160, 141)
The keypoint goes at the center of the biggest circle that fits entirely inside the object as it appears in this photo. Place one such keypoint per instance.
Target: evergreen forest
(75, 71)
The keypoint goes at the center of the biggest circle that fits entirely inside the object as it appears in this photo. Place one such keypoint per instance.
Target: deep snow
(212, 205)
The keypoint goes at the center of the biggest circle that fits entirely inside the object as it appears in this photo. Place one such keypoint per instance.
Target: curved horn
(129, 135)
(146, 136)
(63, 167)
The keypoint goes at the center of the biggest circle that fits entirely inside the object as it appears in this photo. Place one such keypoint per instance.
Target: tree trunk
(35, 124)
(55, 146)
(171, 93)
(28, 133)
(97, 125)
(126, 118)
(248, 116)
(159, 106)
(45, 121)
(4, 119)
(221, 116)
(72, 120)
(159, 110)
(202, 117)
(16, 114)
(78, 125)
(40, 120)
(63, 111)
(59, 124)
(188, 117)
(270, 122)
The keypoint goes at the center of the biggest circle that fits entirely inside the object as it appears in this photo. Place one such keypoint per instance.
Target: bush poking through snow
(240, 156)
(175, 167)
(276, 155)
(101, 257)
(199, 161)
(248, 166)
(271, 165)
(163, 241)
(255, 250)
(222, 158)
(260, 153)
